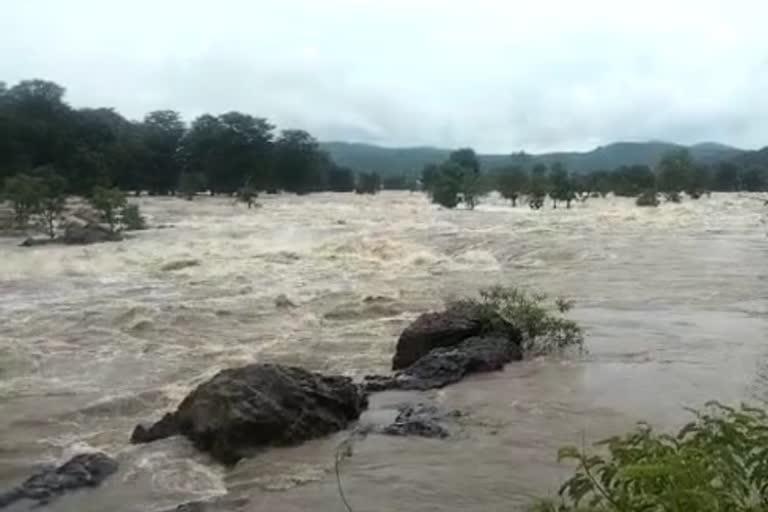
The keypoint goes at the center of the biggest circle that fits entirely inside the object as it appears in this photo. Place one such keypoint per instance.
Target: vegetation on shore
(717, 462)
(48, 144)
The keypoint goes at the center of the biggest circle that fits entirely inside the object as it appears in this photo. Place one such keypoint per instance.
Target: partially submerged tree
(368, 183)
(109, 202)
(132, 219)
(675, 174)
(648, 198)
(53, 201)
(561, 187)
(25, 193)
(190, 183)
(539, 187)
(512, 183)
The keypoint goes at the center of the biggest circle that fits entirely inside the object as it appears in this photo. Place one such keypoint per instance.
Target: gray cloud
(497, 75)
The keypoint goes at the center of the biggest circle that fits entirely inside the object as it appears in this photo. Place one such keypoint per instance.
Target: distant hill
(388, 161)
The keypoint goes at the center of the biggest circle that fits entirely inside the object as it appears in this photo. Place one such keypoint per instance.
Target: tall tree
(512, 182)
(675, 173)
(162, 131)
(561, 186)
(297, 162)
(467, 158)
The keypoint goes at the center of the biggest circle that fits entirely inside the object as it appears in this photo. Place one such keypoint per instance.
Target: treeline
(97, 147)
(459, 180)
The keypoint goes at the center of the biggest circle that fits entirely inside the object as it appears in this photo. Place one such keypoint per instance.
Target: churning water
(95, 339)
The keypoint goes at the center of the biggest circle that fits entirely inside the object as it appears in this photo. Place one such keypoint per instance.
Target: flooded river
(96, 339)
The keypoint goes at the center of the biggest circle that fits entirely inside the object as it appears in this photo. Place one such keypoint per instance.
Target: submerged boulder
(423, 420)
(448, 328)
(447, 365)
(84, 470)
(77, 234)
(258, 405)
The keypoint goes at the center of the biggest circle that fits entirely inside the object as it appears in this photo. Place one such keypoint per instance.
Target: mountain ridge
(410, 160)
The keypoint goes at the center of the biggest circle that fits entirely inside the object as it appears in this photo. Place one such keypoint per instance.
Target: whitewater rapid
(96, 339)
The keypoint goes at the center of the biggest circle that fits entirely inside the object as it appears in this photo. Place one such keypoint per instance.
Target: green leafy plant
(132, 218)
(717, 462)
(544, 326)
(25, 194)
(109, 202)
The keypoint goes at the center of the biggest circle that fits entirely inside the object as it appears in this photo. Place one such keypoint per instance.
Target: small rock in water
(282, 301)
(424, 420)
(84, 470)
(179, 264)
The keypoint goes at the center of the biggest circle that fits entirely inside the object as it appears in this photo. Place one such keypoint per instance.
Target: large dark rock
(85, 470)
(443, 366)
(448, 328)
(258, 405)
(77, 234)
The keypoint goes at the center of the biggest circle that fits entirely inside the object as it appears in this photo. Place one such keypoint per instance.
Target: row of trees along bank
(41, 134)
(460, 180)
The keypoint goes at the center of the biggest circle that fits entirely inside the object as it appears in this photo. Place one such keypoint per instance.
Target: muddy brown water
(95, 339)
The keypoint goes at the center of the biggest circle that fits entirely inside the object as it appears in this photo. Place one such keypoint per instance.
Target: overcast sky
(497, 75)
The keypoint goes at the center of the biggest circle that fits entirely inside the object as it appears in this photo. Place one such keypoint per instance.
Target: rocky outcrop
(260, 404)
(448, 328)
(77, 234)
(423, 420)
(85, 470)
(443, 366)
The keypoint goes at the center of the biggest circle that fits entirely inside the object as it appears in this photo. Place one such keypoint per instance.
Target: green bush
(647, 198)
(132, 218)
(717, 462)
(545, 329)
(109, 202)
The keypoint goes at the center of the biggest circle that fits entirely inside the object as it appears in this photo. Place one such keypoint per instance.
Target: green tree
(132, 219)
(162, 132)
(429, 176)
(26, 194)
(190, 184)
(109, 202)
(512, 182)
(466, 158)
(648, 198)
(247, 194)
(755, 179)
(539, 186)
(297, 162)
(341, 179)
(53, 200)
(396, 182)
(631, 180)
(675, 174)
(561, 186)
(368, 183)
(726, 177)
(447, 185)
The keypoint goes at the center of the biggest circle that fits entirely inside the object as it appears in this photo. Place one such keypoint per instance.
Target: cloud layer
(496, 75)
